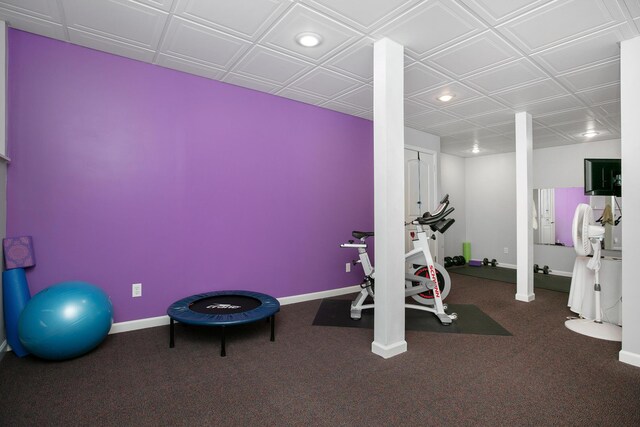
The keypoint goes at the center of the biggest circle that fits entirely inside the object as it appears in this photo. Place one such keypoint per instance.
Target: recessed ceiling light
(446, 98)
(590, 134)
(309, 39)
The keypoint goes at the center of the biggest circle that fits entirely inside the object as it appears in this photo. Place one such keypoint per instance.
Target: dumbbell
(448, 262)
(459, 260)
(537, 269)
(493, 262)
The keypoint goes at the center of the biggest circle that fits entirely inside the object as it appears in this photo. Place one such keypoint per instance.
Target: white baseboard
(552, 272)
(388, 351)
(134, 325)
(319, 295)
(151, 322)
(630, 358)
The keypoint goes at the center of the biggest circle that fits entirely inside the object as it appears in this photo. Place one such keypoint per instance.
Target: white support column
(630, 109)
(388, 182)
(524, 197)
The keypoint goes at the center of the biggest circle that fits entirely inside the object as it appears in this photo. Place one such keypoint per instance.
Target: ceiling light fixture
(476, 149)
(590, 134)
(308, 39)
(446, 98)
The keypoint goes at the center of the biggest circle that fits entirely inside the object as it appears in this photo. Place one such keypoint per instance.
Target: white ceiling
(559, 59)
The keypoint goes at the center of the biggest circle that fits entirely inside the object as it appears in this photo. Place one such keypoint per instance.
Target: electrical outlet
(506, 250)
(347, 267)
(136, 290)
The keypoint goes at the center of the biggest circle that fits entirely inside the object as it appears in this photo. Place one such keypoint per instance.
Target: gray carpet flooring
(541, 375)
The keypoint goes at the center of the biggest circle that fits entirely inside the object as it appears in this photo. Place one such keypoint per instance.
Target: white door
(419, 190)
(547, 222)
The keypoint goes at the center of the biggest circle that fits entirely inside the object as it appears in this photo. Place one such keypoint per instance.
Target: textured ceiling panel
(556, 59)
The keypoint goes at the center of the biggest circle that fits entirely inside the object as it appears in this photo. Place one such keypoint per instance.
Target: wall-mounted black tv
(603, 177)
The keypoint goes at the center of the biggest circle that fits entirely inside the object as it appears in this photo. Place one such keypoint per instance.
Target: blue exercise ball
(65, 320)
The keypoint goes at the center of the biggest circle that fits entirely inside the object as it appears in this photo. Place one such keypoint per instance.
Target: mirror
(555, 208)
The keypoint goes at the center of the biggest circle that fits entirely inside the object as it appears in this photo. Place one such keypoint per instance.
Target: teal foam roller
(15, 296)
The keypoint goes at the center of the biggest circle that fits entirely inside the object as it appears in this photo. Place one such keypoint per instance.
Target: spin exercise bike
(427, 282)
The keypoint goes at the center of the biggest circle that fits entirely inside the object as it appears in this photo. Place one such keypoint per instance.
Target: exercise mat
(471, 320)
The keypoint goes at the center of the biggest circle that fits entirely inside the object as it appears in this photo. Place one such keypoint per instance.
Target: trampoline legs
(223, 349)
(223, 353)
(273, 327)
(171, 334)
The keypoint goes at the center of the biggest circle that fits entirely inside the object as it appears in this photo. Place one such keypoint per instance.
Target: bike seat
(361, 234)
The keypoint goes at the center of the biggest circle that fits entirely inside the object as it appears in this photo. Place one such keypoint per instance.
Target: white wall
(490, 188)
(452, 182)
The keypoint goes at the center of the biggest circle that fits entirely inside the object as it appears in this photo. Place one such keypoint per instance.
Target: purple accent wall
(566, 201)
(126, 172)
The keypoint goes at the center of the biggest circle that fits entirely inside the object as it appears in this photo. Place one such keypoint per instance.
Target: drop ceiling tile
(462, 93)
(586, 51)
(356, 60)
(495, 118)
(531, 93)
(576, 129)
(516, 73)
(271, 66)
(296, 95)
(190, 67)
(197, 43)
(361, 97)
(450, 128)
(475, 107)
(634, 7)
(598, 75)
(474, 55)
(601, 95)
(431, 26)
(496, 11)
(613, 122)
(325, 83)
(120, 20)
(299, 19)
(419, 78)
(608, 109)
(503, 129)
(581, 114)
(431, 118)
(105, 44)
(243, 18)
(26, 22)
(164, 5)
(343, 108)
(471, 134)
(411, 108)
(548, 106)
(561, 21)
(250, 83)
(40, 9)
(362, 14)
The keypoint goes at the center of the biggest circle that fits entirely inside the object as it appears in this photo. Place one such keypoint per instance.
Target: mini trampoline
(222, 309)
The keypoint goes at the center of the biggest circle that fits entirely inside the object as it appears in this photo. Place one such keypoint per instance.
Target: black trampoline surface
(471, 320)
(221, 308)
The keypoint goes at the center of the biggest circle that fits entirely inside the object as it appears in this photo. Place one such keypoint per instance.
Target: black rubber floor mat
(471, 320)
